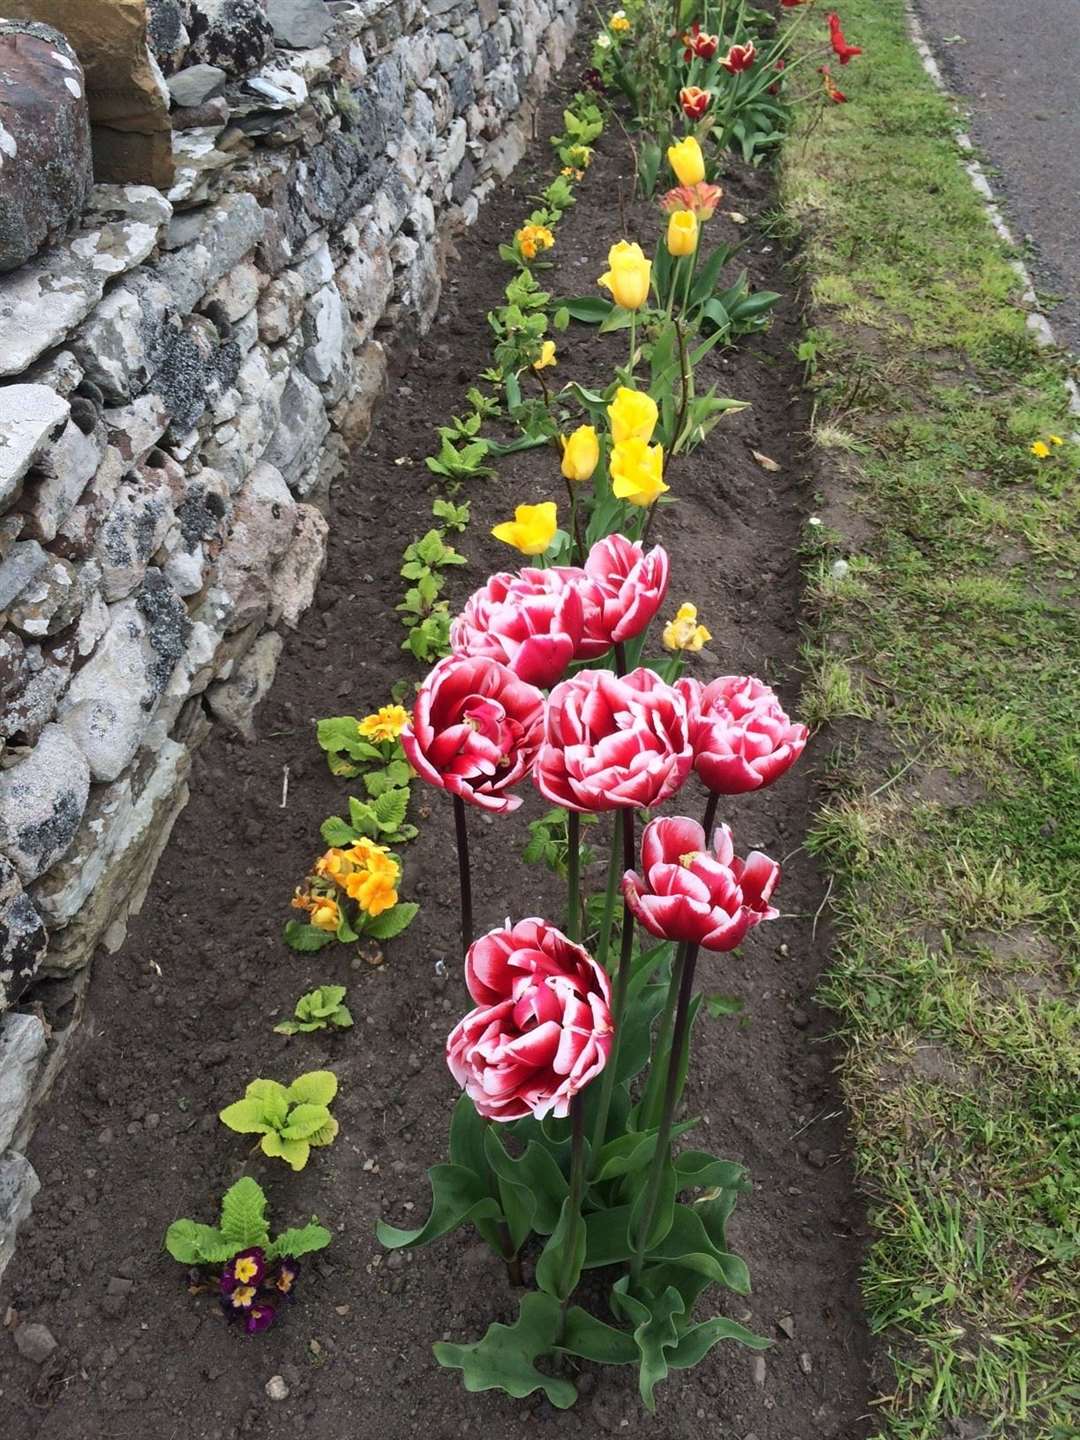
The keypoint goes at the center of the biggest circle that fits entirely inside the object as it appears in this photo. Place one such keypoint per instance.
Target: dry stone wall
(180, 379)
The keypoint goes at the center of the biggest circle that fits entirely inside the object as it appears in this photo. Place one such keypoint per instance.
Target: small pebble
(806, 1364)
(34, 1343)
(757, 1370)
(276, 1388)
(786, 1326)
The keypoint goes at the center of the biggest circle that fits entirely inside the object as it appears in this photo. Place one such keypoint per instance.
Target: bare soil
(180, 1019)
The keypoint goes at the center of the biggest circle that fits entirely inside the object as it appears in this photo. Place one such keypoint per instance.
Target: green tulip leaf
(593, 1339)
(698, 1168)
(505, 1359)
(559, 1268)
(696, 1342)
(655, 1332)
(457, 1195)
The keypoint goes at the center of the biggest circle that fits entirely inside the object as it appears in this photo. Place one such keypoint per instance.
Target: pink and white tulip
(741, 736)
(532, 622)
(625, 588)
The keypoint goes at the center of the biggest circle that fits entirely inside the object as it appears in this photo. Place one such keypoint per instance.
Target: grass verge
(944, 652)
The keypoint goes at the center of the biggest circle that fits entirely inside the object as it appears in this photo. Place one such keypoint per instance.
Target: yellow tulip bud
(627, 275)
(637, 472)
(581, 453)
(682, 232)
(546, 356)
(684, 633)
(532, 529)
(686, 159)
(633, 415)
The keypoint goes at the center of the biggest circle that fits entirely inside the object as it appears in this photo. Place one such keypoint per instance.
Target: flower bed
(732, 541)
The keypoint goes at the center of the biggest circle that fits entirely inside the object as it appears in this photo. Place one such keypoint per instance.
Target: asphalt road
(1015, 65)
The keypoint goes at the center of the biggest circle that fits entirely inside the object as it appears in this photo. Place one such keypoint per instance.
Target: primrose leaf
(390, 808)
(195, 1244)
(342, 1017)
(298, 1241)
(305, 1121)
(293, 1152)
(243, 1213)
(300, 936)
(392, 922)
(326, 1134)
(316, 1087)
(246, 1117)
(273, 1098)
(325, 1000)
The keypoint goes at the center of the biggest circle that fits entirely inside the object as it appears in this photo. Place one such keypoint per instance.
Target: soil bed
(181, 1018)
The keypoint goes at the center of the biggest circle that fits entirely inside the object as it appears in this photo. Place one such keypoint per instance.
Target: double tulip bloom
(613, 742)
(475, 731)
(628, 275)
(700, 199)
(740, 735)
(692, 894)
(542, 1028)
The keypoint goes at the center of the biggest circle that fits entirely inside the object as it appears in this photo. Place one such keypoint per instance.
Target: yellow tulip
(532, 529)
(387, 723)
(546, 356)
(637, 472)
(682, 232)
(684, 633)
(633, 415)
(627, 276)
(580, 453)
(686, 159)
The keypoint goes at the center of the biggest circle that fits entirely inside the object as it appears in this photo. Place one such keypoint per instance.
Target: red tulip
(841, 49)
(740, 735)
(475, 730)
(832, 90)
(542, 1028)
(531, 621)
(709, 898)
(739, 57)
(699, 43)
(694, 101)
(613, 743)
(626, 589)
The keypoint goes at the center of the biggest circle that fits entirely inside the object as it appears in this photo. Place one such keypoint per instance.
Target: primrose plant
(320, 1009)
(290, 1118)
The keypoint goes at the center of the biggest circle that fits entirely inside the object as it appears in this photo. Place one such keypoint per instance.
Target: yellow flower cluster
(531, 239)
(684, 632)
(619, 22)
(386, 724)
(367, 873)
(1040, 449)
(637, 468)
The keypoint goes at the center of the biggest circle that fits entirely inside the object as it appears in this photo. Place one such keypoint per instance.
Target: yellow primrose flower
(686, 159)
(637, 472)
(333, 864)
(532, 529)
(581, 453)
(619, 23)
(1040, 449)
(370, 856)
(684, 633)
(581, 155)
(571, 173)
(546, 356)
(387, 723)
(682, 233)
(325, 912)
(533, 238)
(1056, 440)
(373, 892)
(633, 415)
(627, 275)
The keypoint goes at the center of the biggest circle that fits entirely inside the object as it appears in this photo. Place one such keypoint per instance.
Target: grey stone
(61, 894)
(135, 429)
(22, 1044)
(34, 1342)
(45, 166)
(123, 342)
(196, 84)
(60, 473)
(234, 294)
(133, 530)
(301, 431)
(23, 939)
(232, 228)
(54, 599)
(110, 702)
(23, 563)
(18, 1186)
(260, 530)
(299, 24)
(42, 800)
(293, 585)
(325, 339)
(280, 306)
(167, 32)
(129, 202)
(233, 701)
(234, 34)
(30, 415)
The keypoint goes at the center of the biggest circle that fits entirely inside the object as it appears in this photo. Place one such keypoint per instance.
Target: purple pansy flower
(282, 1277)
(246, 1269)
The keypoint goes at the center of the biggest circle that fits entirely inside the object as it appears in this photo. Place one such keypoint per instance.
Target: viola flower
(694, 101)
(689, 893)
(741, 737)
(260, 1317)
(627, 276)
(613, 742)
(633, 415)
(841, 49)
(637, 472)
(699, 44)
(684, 632)
(580, 453)
(386, 724)
(475, 730)
(593, 80)
(532, 529)
(682, 233)
(739, 58)
(624, 588)
(700, 199)
(832, 90)
(245, 1270)
(542, 1027)
(686, 159)
(546, 357)
(532, 622)
(282, 1278)
(240, 1300)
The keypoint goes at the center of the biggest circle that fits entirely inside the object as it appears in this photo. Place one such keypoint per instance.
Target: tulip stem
(649, 1109)
(573, 874)
(685, 377)
(577, 1188)
(603, 943)
(622, 985)
(575, 524)
(620, 658)
(683, 977)
(511, 1258)
(464, 877)
(633, 343)
(710, 817)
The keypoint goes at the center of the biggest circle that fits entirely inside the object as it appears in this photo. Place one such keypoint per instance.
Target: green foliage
(547, 843)
(290, 1119)
(454, 517)
(319, 1009)
(429, 554)
(243, 1224)
(460, 462)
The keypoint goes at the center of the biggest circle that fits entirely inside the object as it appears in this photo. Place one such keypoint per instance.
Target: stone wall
(180, 380)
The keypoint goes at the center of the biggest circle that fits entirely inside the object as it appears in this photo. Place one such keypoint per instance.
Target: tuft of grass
(945, 653)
